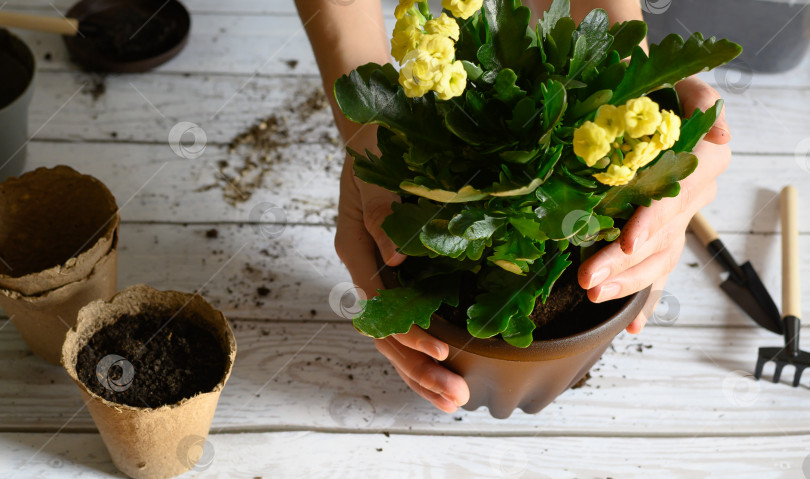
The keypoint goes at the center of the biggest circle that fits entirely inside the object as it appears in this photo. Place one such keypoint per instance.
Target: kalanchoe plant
(509, 144)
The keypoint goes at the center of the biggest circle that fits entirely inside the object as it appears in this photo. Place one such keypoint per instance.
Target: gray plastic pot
(18, 69)
(503, 377)
(774, 34)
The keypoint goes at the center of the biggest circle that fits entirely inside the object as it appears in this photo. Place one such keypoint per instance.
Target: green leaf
(553, 269)
(519, 251)
(396, 310)
(555, 99)
(558, 198)
(695, 128)
(591, 45)
(528, 227)
(519, 157)
(372, 95)
(518, 332)
(436, 236)
(474, 224)
(589, 105)
(505, 88)
(670, 62)
(474, 72)
(559, 9)
(507, 22)
(627, 36)
(558, 43)
(524, 118)
(405, 223)
(653, 183)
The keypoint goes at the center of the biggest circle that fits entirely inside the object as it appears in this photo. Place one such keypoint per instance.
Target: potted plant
(518, 151)
(58, 252)
(150, 366)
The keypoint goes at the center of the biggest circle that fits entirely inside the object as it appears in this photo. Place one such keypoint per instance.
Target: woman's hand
(653, 239)
(359, 236)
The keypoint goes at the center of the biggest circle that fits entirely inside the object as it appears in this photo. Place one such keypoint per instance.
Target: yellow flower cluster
(426, 49)
(624, 138)
(462, 9)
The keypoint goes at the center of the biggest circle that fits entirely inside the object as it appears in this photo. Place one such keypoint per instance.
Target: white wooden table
(311, 398)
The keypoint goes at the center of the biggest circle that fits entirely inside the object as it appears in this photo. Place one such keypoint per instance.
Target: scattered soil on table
(212, 233)
(96, 86)
(256, 151)
(582, 381)
(172, 359)
(131, 32)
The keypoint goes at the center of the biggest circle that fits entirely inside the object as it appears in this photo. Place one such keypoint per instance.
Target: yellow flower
(407, 35)
(591, 143)
(641, 154)
(611, 119)
(440, 47)
(642, 117)
(418, 73)
(453, 81)
(403, 7)
(615, 175)
(668, 131)
(443, 25)
(462, 9)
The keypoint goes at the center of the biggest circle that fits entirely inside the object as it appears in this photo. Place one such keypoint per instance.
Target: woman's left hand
(653, 239)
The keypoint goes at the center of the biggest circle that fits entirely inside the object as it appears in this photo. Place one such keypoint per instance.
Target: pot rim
(98, 314)
(26, 94)
(542, 350)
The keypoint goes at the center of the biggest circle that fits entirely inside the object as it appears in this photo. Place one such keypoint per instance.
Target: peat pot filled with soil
(150, 366)
(58, 252)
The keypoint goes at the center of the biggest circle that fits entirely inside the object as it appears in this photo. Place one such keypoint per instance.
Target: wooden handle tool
(62, 26)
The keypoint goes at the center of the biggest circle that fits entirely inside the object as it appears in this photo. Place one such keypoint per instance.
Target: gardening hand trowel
(789, 354)
(743, 285)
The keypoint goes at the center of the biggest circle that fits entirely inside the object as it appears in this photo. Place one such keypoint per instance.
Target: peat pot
(164, 440)
(503, 377)
(58, 252)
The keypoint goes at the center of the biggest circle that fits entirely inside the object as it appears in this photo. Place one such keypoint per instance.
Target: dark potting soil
(16, 76)
(169, 362)
(131, 32)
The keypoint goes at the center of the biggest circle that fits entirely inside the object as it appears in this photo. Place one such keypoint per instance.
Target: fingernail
(721, 131)
(639, 241)
(431, 350)
(598, 277)
(607, 292)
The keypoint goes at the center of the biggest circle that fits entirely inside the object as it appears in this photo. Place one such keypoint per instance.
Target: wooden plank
(299, 267)
(145, 108)
(303, 180)
(325, 376)
(317, 455)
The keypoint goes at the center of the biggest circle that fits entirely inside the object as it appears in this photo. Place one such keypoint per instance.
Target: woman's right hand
(359, 236)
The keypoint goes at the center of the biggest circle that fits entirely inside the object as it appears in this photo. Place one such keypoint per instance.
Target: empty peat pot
(503, 377)
(16, 89)
(58, 252)
(150, 366)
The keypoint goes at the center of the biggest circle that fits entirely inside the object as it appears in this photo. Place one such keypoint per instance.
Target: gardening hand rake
(790, 354)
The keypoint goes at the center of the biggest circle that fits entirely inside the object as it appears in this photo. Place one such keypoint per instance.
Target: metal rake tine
(760, 363)
(777, 373)
(798, 376)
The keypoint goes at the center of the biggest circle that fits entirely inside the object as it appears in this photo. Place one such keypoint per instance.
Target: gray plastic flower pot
(18, 69)
(774, 34)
